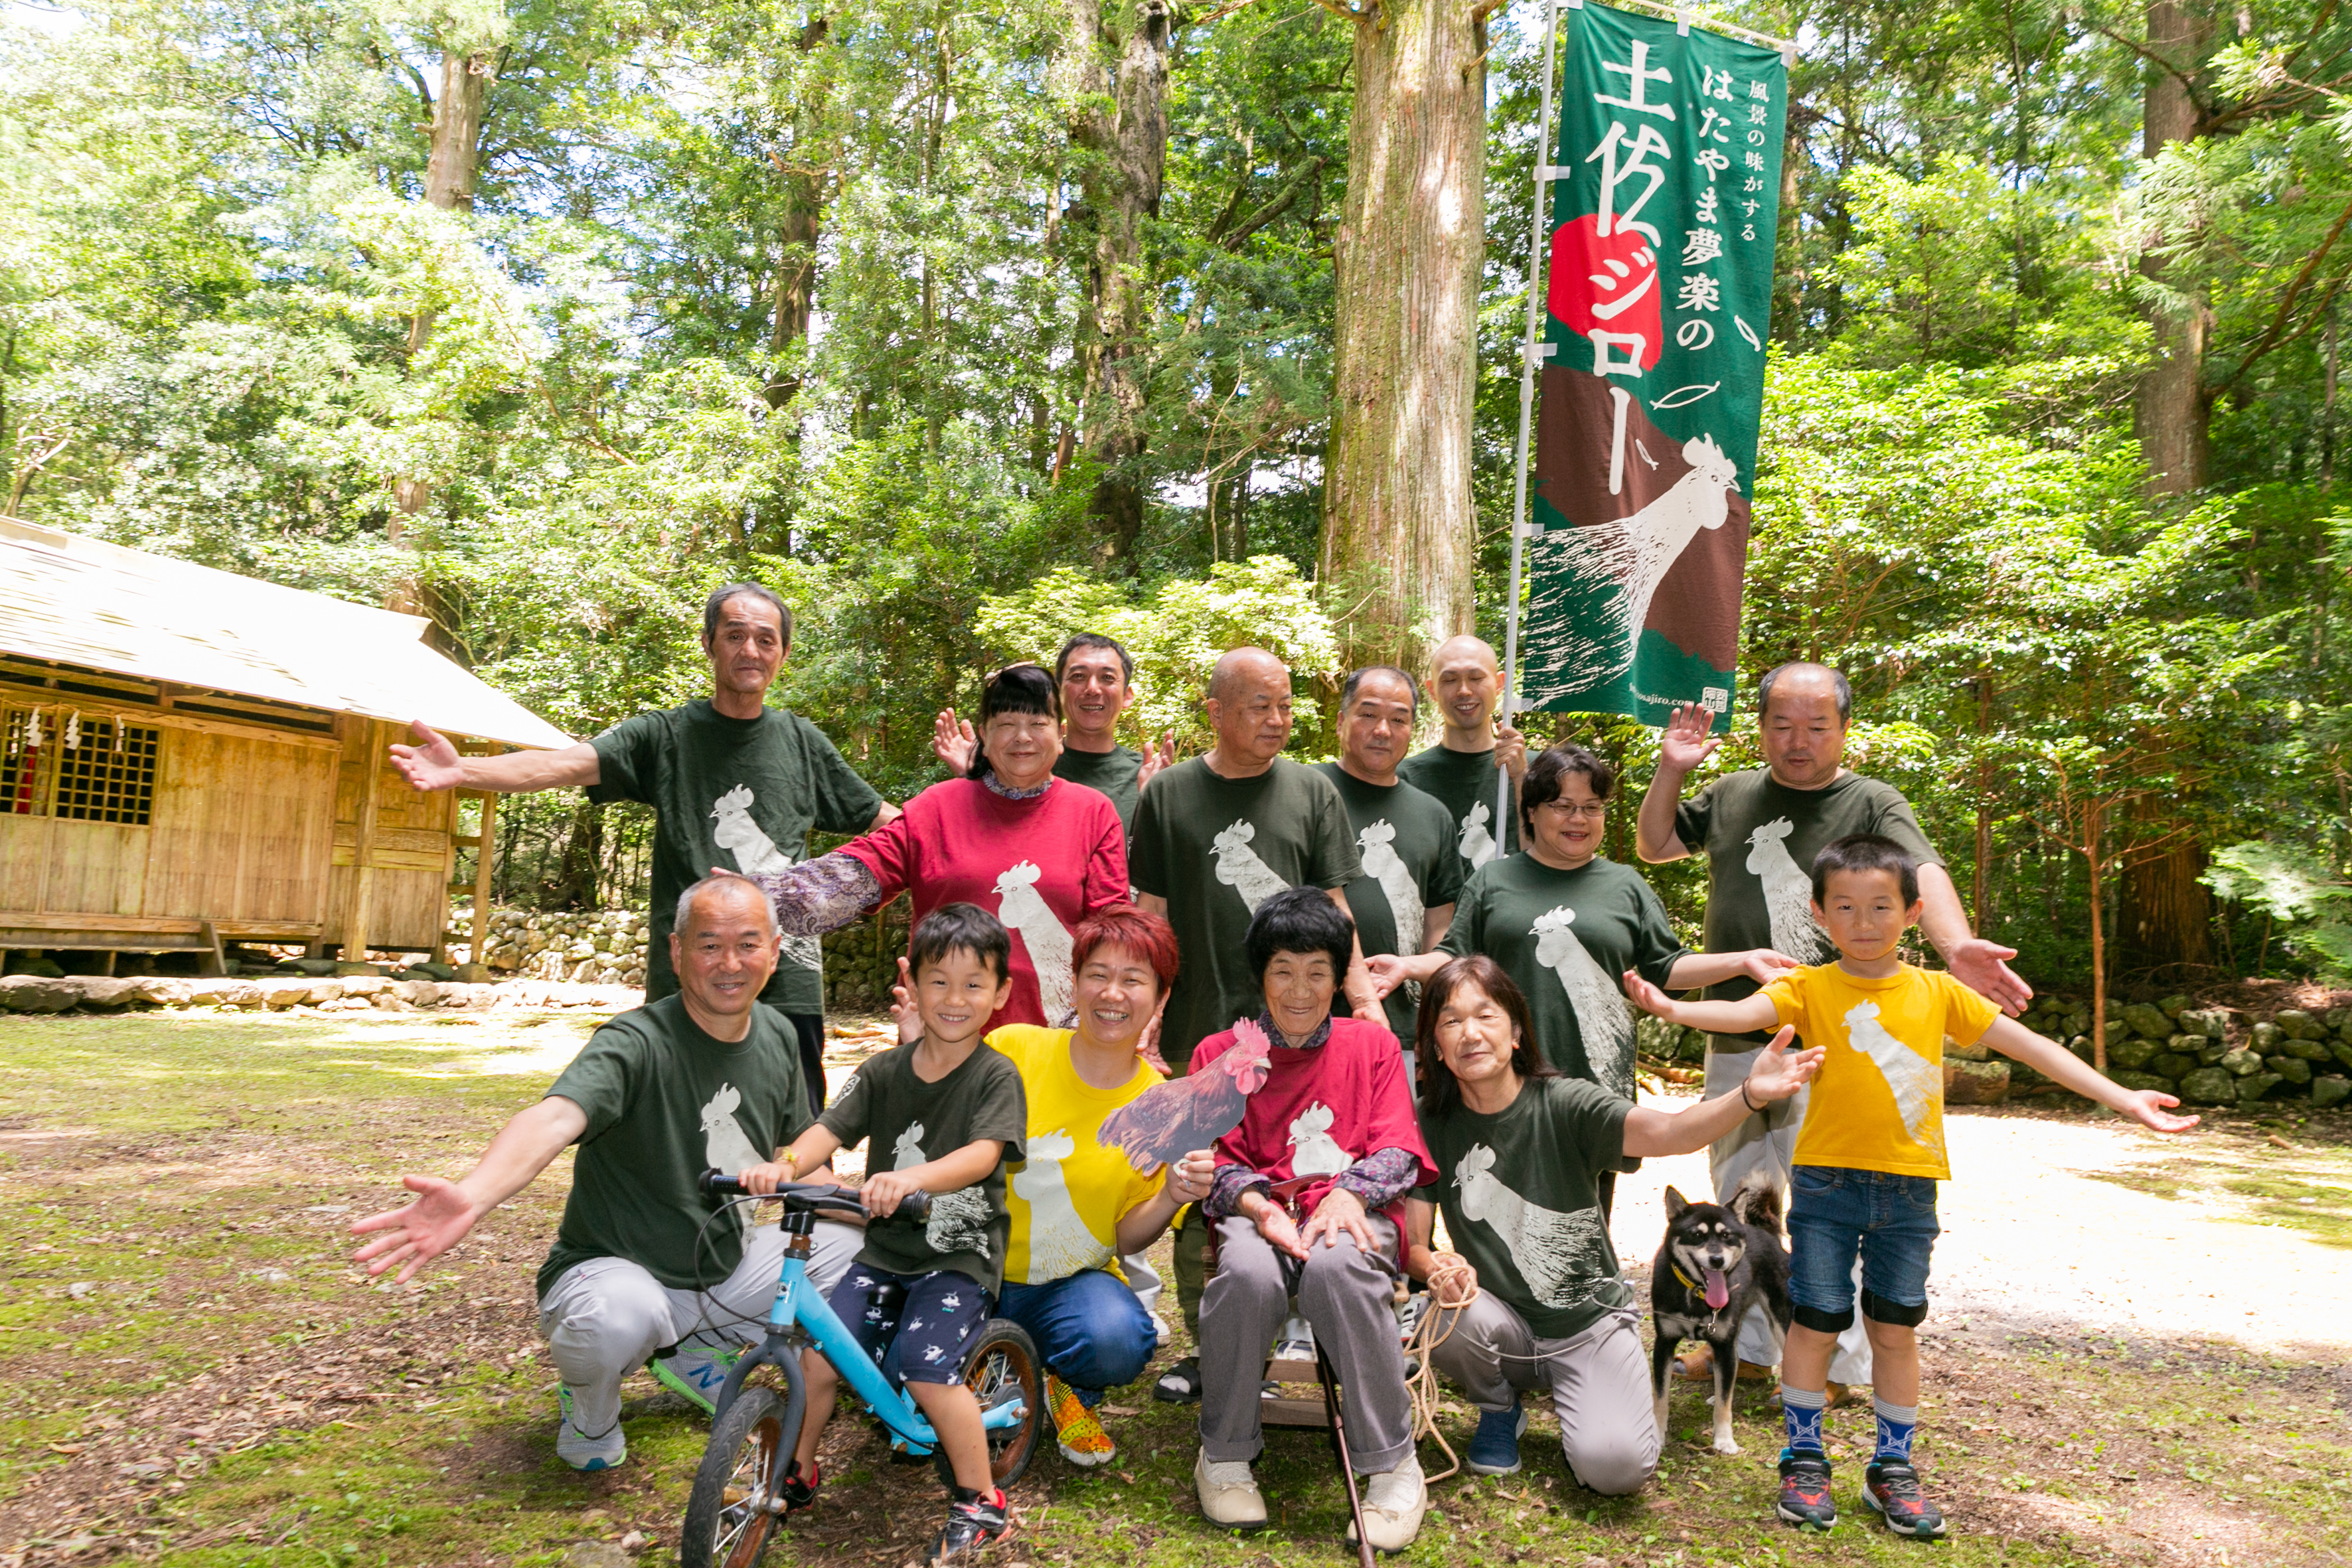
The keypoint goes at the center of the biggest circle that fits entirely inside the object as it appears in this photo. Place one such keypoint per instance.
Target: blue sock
(1896, 1424)
(1800, 1414)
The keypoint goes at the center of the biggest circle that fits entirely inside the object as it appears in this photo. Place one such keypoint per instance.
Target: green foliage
(1176, 635)
(2298, 889)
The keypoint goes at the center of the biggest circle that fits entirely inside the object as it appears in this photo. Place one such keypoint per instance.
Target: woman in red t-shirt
(1039, 852)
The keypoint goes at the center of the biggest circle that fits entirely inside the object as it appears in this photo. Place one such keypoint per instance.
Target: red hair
(1141, 933)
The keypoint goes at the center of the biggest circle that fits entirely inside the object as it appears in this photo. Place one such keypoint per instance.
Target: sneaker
(970, 1526)
(1495, 1447)
(1160, 1329)
(1890, 1488)
(1084, 1441)
(1228, 1493)
(799, 1492)
(698, 1374)
(1805, 1490)
(1395, 1502)
(1181, 1384)
(577, 1449)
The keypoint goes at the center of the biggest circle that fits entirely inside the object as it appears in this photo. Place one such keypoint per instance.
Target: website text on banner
(1665, 200)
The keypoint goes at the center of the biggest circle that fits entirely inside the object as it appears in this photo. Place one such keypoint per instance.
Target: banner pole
(1532, 353)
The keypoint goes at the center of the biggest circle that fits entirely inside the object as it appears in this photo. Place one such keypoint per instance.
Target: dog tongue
(1718, 1291)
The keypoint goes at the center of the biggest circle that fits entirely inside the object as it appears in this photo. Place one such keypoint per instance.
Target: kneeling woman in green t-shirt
(1519, 1151)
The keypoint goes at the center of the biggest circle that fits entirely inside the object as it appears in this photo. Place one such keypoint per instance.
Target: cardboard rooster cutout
(1172, 1118)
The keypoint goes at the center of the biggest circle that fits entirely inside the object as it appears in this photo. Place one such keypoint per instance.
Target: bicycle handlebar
(812, 1195)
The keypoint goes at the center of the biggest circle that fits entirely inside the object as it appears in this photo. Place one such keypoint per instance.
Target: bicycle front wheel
(735, 1507)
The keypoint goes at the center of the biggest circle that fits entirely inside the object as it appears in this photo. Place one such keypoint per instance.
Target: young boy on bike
(1869, 1154)
(949, 1111)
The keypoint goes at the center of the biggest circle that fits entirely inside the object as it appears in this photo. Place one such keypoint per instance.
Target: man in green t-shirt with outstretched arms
(1759, 830)
(733, 782)
(645, 1266)
(1464, 769)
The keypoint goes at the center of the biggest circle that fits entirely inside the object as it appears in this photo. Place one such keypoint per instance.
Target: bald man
(1214, 839)
(1465, 683)
(1759, 830)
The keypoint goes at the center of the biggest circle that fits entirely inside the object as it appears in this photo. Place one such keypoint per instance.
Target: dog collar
(1688, 1283)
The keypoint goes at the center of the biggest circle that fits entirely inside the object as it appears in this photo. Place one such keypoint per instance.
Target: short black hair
(1300, 919)
(1093, 640)
(716, 604)
(1355, 679)
(960, 928)
(1838, 683)
(1865, 852)
(1021, 687)
(1541, 786)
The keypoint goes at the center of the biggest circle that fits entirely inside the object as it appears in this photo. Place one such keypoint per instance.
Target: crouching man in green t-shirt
(645, 1267)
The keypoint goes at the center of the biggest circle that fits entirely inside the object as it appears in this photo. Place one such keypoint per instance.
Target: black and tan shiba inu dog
(1718, 1261)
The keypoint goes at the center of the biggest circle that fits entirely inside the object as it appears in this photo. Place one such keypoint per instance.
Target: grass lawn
(191, 1373)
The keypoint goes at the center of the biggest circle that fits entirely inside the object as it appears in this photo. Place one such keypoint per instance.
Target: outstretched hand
(436, 1221)
(1779, 1072)
(1763, 965)
(432, 763)
(2151, 1108)
(1689, 739)
(1646, 996)
(1156, 755)
(1983, 967)
(954, 741)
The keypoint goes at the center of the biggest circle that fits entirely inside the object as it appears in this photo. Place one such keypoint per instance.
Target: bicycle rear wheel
(1001, 1366)
(734, 1508)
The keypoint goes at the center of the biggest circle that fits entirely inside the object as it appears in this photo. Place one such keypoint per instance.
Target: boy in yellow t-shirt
(1869, 1156)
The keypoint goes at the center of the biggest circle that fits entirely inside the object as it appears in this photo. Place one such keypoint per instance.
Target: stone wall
(607, 947)
(355, 992)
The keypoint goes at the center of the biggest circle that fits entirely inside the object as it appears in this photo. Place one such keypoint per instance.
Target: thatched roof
(80, 601)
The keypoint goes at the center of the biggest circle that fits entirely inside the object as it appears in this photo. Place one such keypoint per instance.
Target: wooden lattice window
(77, 767)
(110, 775)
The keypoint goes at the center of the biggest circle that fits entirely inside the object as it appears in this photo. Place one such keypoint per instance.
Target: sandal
(1181, 1384)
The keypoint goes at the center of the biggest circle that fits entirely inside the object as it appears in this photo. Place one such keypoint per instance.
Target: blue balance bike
(738, 1499)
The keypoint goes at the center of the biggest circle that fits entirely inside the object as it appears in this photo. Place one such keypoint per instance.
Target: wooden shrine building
(189, 757)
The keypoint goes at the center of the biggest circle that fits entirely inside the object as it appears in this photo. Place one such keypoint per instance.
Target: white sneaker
(1229, 1494)
(577, 1448)
(1395, 1502)
(1160, 1327)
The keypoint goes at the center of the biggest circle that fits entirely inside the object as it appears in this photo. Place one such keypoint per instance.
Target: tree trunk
(2166, 915)
(797, 234)
(2172, 410)
(1399, 532)
(1121, 128)
(450, 170)
(578, 872)
(2091, 858)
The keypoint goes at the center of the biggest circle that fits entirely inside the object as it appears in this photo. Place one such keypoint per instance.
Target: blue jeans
(1889, 1220)
(1092, 1331)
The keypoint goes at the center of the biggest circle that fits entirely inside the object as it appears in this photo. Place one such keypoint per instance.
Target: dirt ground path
(2041, 1236)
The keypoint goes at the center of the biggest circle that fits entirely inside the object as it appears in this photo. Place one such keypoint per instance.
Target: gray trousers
(603, 1319)
(1347, 1298)
(1767, 1141)
(1600, 1383)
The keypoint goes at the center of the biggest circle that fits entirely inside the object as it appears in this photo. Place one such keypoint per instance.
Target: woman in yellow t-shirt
(1077, 1206)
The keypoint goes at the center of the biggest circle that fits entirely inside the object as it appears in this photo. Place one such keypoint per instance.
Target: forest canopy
(964, 328)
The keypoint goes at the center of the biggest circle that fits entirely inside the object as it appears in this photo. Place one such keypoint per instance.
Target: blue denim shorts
(1836, 1215)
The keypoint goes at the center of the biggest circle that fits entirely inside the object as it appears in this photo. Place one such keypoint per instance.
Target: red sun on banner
(1609, 284)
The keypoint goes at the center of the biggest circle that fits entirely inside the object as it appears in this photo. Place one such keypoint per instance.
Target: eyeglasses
(1595, 810)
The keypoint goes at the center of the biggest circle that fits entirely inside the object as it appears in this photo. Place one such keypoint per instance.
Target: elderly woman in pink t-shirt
(1039, 852)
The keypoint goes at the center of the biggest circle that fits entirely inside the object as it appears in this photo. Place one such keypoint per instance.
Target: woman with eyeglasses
(1039, 853)
(1564, 920)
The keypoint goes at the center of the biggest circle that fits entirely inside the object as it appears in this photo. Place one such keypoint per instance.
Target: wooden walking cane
(1291, 1269)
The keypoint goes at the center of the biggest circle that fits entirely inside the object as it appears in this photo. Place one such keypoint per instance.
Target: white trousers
(1767, 1141)
(604, 1319)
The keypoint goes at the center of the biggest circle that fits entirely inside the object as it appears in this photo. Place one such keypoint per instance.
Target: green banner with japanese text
(1665, 194)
